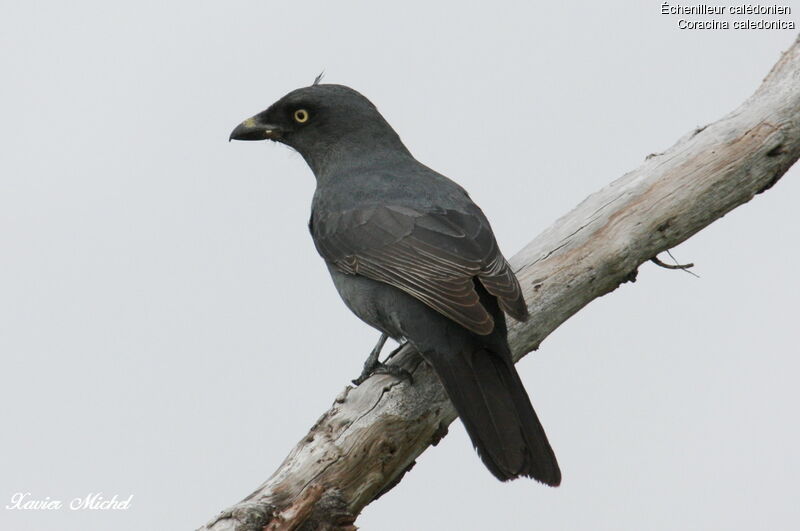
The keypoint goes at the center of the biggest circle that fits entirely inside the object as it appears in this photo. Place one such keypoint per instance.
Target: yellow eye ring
(301, 116)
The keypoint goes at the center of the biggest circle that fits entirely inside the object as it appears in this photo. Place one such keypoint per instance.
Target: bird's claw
(373, 365)
(384, 368)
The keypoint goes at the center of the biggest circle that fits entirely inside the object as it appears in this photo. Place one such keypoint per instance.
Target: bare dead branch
(372, 434)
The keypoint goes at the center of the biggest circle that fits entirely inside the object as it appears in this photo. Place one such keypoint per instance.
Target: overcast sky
(168, 331)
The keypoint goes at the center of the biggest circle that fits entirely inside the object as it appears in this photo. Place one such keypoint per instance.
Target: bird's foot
(384, 368)
(373, 366)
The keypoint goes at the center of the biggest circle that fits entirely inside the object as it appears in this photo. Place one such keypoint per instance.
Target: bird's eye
(301, 116)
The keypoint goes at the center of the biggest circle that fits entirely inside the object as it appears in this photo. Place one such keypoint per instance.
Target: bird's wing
(433, 256)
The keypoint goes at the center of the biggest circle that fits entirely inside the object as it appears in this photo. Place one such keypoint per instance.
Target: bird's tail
(488, 395)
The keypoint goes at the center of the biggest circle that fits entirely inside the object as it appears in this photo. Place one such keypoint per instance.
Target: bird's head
(322, 122)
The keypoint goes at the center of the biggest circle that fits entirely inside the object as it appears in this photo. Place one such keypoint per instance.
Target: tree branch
(369, 438)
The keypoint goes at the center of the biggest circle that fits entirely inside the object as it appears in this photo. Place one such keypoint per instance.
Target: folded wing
(433, 256)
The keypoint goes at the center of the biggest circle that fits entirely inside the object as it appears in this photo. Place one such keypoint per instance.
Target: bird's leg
(372, 360)
(373, 366)
(395, 351)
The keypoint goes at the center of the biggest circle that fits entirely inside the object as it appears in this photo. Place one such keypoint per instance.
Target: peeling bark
(369, 438)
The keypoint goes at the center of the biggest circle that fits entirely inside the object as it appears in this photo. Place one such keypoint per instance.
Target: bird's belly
(402, 316)
(370, 300)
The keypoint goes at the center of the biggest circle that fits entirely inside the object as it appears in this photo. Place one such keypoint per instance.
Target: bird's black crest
(318, 78)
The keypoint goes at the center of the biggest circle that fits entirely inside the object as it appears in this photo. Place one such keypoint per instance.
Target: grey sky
(168, 331)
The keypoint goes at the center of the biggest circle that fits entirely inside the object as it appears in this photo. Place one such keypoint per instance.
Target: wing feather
(433, 256)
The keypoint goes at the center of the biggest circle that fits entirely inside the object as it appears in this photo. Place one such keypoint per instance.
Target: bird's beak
(254, 129)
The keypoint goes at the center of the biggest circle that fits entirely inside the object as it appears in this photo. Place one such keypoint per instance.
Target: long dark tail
(488, 395)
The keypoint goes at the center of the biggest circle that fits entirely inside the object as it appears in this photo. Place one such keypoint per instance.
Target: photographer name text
(24, 501)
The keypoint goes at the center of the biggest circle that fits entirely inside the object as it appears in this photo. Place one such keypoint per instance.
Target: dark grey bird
(414, 257)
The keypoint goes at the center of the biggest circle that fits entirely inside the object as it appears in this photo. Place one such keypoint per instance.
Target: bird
(414, 257)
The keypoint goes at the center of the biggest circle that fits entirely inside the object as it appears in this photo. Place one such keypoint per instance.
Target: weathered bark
(369, 438)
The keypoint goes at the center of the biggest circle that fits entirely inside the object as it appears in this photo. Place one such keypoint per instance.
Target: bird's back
(393, 182)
